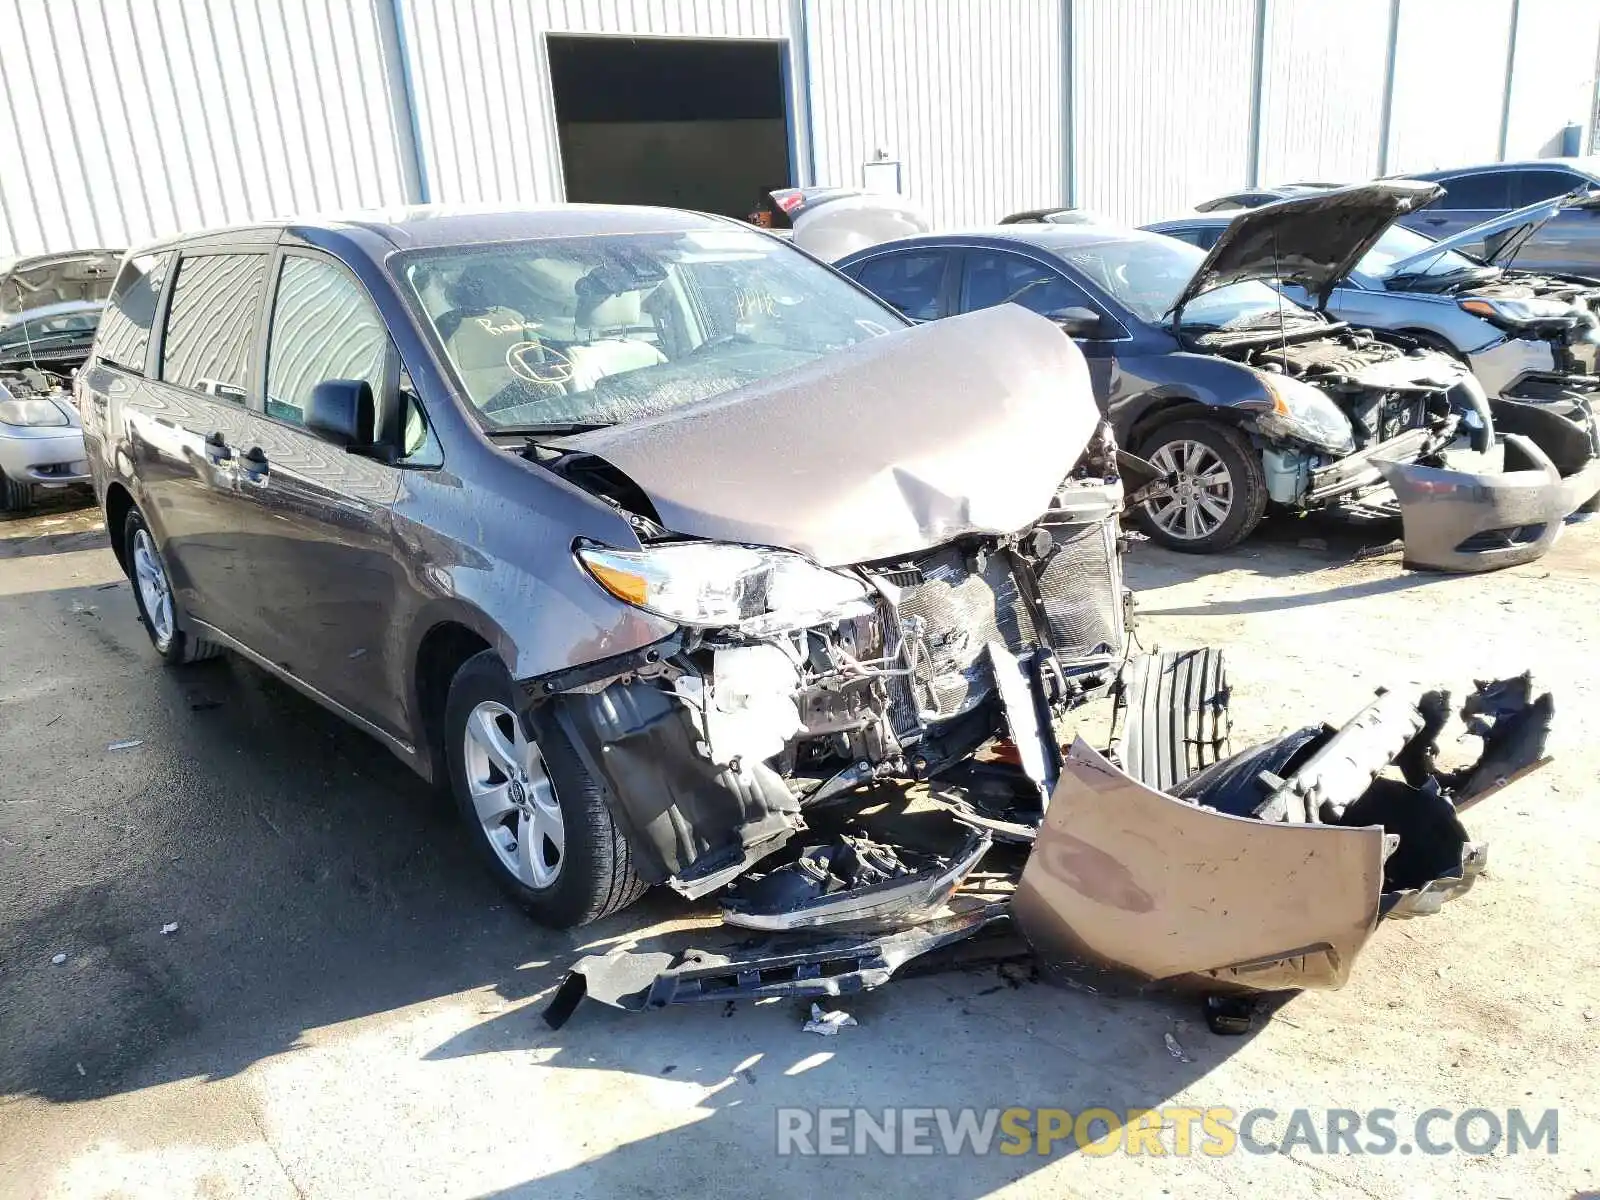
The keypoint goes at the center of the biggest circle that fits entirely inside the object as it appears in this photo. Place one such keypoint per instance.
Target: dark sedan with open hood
(1240, 397)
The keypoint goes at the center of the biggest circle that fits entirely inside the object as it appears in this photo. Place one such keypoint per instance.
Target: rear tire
(15, 496)
(536, 816)
(152, 592)
(1225, 487)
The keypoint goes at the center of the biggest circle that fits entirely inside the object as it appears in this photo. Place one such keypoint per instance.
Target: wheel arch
(117, 505)
(444, 645)
(1165, 408)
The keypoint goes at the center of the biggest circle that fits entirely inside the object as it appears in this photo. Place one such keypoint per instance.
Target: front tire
(152, 592)
(535, 814)
(1221, 492)
(14, 495)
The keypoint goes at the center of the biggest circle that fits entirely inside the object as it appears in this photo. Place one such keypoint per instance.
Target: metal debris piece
(170, 927)
(827, 1024)
(1174, 1049)
(58, 959)
(796, 966)
(129, 744)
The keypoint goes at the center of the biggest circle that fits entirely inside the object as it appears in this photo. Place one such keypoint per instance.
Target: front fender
(1157, 388)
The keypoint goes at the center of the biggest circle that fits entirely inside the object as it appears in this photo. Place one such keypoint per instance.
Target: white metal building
(121, 120)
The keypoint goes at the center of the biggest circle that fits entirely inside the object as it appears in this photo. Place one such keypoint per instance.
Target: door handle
(253, 466)
(1434, 220)
(217, 450)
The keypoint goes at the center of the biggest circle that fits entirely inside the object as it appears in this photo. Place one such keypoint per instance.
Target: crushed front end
(713, 744)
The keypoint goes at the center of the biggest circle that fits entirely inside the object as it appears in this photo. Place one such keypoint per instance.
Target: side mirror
(342, 412)
(1077, 321)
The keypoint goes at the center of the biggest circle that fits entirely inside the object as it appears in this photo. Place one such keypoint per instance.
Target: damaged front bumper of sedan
(1464, 512)
(1264, 871)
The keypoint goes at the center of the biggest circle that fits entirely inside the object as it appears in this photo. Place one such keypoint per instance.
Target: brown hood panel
(888, 448)
(1125, 876)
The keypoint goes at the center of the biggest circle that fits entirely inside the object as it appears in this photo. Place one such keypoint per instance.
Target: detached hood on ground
(1498, 240)
(28, 283)
(893, 446)
(1312, 241)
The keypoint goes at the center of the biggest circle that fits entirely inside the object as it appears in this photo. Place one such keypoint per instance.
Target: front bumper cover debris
(1267, 870)
(1459, 515)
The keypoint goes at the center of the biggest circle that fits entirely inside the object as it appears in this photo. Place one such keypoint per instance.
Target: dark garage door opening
(688, 124)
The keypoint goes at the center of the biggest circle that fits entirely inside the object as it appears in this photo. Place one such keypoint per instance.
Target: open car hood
(1498, 240)
(893, 446)
(1312, 241)
(833, 222)
(45, 279)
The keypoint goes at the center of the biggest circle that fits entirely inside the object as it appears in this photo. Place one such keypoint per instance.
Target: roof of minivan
(429, 225)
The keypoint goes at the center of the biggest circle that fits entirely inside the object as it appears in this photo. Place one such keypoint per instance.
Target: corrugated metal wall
(1162, 97)
(967, 97)
(123, 120)
(1553, 74)
(1449, 82)
(481, 79)
(1322, 85)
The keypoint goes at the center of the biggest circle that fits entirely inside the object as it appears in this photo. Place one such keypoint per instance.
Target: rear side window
(913, 283)
(125, 328)
(211, 324)
(1487, 190)
(1534, 186)
(323, 327)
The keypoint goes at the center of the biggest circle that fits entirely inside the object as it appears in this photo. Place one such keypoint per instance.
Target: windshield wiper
(550, 429)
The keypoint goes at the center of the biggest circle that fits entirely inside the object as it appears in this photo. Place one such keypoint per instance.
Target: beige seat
(478, 348)
(601, 356)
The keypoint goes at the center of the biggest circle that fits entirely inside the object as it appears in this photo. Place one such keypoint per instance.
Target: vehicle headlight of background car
(1301, 412)
(30, 414)
(724, 585)
(1510, 312)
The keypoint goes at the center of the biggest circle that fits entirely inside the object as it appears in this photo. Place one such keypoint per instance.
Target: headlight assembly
(720, 585)
(1522, 312)
(1302, 413)
(32, 413)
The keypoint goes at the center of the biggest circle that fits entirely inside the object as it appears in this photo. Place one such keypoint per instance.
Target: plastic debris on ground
(170, 927)
(129, 744)
(1175, 1050)
(57, 959)
(827, 1024)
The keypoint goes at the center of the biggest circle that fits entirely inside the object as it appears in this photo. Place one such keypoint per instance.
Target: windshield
(1147, 274)
(564, 332)
(1399, 243)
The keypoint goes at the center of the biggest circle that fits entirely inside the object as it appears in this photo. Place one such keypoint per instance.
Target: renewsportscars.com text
(1179, 1131)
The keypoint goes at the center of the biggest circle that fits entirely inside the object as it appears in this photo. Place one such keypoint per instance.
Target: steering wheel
(539, 363)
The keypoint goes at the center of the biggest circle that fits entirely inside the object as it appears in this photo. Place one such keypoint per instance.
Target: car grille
(962, 604)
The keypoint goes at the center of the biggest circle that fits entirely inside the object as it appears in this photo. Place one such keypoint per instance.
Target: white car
(41, 440)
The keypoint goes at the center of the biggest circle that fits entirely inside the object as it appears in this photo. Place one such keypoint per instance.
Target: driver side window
(323, 327)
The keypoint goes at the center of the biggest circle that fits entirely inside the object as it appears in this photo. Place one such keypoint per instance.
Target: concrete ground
(347, 1009)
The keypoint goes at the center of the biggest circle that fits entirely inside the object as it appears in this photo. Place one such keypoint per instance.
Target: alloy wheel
(512, 795)
(155, 592)
(1201, 496)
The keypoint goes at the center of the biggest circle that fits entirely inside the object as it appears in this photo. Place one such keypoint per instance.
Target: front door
(322, 562)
